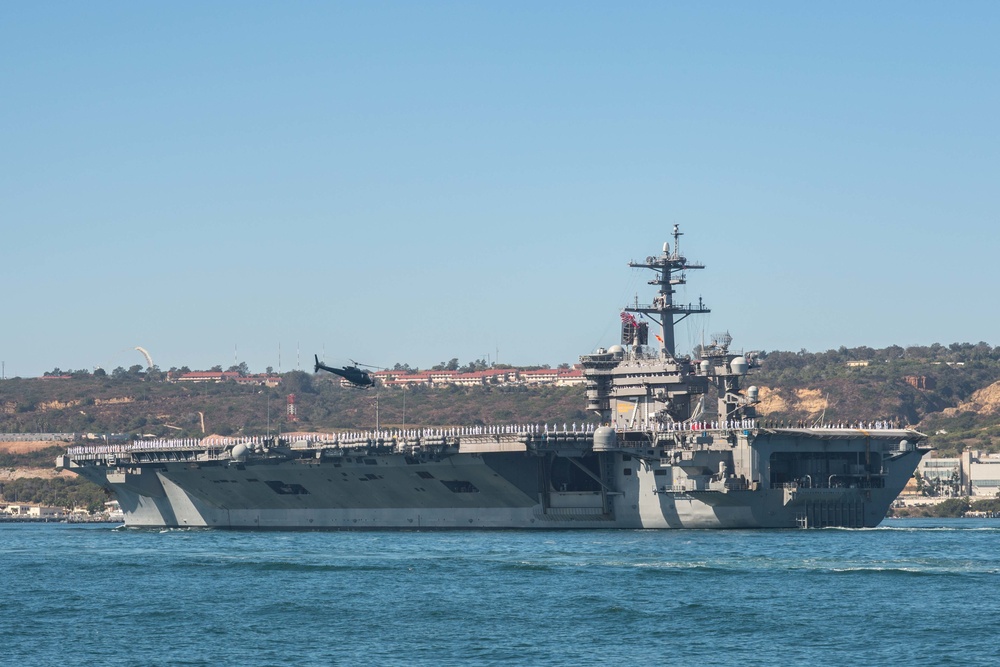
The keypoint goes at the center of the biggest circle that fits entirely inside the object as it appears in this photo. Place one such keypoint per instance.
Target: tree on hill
(299, 382)
(445, 366)
(58, 492)
(473, 366)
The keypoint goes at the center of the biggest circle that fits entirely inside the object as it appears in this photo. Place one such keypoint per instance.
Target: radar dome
(605, 439)
(616, 350)
(739, 365)
(239, 452)
(753, 393)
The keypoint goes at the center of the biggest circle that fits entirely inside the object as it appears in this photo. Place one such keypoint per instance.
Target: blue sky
(411, 182)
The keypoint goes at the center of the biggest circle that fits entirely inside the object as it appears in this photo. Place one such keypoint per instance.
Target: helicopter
(353, 374)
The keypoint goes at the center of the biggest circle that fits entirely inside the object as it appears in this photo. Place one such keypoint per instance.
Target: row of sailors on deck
(731, 424)
(453, 432)
(670, 427)
(458, 431)
(140, 445)
(144, 445)
(351, 436)
(865, 425)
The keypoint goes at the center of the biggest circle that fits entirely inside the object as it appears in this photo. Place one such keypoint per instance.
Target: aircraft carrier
(679, 445)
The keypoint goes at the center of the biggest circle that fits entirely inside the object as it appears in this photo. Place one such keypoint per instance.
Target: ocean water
(913, 592)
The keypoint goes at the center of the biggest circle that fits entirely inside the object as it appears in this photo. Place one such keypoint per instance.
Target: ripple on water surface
(199, 597)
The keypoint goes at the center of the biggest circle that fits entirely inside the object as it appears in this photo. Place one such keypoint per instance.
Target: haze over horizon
(399, 182)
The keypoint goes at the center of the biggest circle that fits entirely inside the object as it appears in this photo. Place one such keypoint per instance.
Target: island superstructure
(678, 444)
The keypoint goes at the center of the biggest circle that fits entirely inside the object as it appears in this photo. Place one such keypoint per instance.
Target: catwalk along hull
(745, 478)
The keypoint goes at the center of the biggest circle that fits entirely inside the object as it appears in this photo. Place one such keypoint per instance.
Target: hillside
(949, 392)
(130, 405)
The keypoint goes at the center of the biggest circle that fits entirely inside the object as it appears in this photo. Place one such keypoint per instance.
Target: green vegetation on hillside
(39, 458)
(951, 508)
(880, 390)
(88, 404)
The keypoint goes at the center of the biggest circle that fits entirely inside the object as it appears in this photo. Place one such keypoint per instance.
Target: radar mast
(669, 268)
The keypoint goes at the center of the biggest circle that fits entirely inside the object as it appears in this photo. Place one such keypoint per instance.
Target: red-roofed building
(444, 378)
(410, 380)
(200, 376)
(226, 376)
(259, 379)
(481, 377)
(570, 378)
(540, 376)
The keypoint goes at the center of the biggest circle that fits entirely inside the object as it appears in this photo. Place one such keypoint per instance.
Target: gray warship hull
(742, 478)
